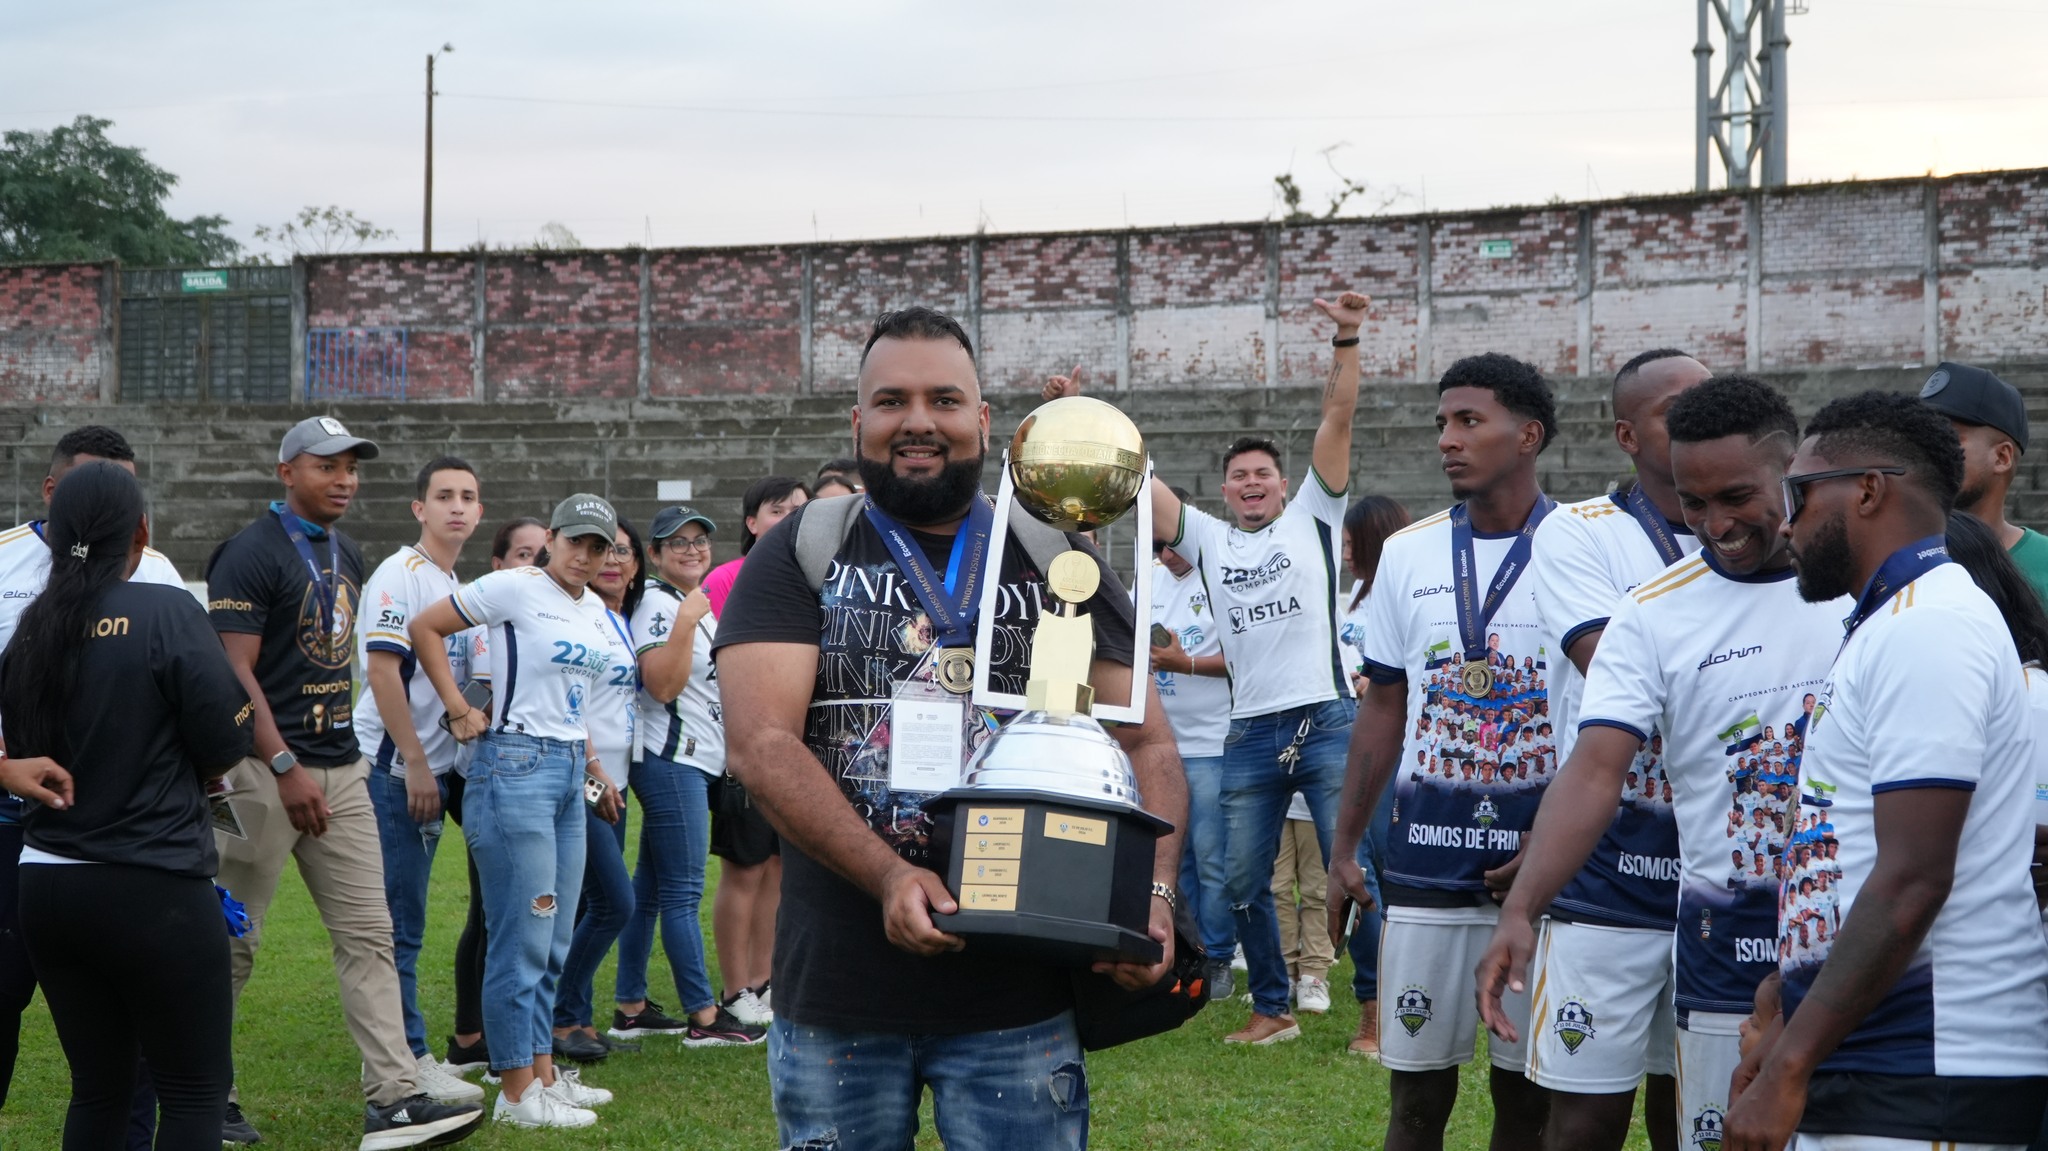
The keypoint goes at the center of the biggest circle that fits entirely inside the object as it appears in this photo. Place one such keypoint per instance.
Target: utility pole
(427, 214)
(1742, 115)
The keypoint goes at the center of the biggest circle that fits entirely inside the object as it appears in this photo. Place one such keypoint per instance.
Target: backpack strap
(820, 533)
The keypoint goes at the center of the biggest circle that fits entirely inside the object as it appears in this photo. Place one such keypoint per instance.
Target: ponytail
(93, 515)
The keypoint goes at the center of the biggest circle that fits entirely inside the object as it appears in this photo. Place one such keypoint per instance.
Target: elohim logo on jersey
(1411, 1008)
(1729, 656)
(1243, 619)
(1251, 579)
(1706, 1129)
(1440, 589)
(1574, 1025)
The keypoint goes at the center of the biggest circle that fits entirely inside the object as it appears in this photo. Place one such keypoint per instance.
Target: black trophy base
(1064, 881)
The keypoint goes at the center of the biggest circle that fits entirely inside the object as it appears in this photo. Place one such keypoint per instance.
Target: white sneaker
(763, 995)
(1237, 962)
(748, 1008)
(436, 1082)
(1312, 995)
(540, 1108)
(572, 1091)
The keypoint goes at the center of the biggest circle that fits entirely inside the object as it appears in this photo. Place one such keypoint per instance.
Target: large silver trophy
(1045, 843)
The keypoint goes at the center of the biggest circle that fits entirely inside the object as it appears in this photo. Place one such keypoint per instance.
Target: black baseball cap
(1975, 396)
(670, 520)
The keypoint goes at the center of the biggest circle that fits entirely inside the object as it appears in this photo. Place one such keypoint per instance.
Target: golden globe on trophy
(1045, 843)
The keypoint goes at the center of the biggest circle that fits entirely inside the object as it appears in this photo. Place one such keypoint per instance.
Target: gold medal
(1478, 677)
(956, 669)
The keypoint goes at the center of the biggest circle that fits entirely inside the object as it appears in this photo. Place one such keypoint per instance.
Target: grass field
(299, 1072)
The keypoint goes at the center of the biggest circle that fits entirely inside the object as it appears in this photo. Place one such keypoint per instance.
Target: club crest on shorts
(1706, 1129)
(1574, 1025)
(1411, 1009)
(1486, 813)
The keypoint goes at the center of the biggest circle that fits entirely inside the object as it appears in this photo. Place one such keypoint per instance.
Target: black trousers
(17, 977)
(469, 946)
(134, 960)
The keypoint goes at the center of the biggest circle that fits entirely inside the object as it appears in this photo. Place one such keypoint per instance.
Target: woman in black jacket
(119, 707)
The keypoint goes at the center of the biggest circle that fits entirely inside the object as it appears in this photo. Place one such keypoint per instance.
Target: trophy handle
(1141, 587)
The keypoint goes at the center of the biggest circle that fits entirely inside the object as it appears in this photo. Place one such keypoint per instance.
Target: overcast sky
(774, 120)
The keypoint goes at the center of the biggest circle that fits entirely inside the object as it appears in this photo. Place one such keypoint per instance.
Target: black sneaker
(418, 1122)
(616, 1045)
(236, 1129)
(650, 1020)
(724, 1031)
(577, 1047)
(464, 1058)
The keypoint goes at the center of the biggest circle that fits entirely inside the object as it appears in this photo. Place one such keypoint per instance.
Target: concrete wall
(1833, 276)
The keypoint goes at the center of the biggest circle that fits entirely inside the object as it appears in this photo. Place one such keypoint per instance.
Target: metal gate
(206, 334)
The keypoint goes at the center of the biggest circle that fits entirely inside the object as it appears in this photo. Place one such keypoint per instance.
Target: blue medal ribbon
(1900, 568)
(1653, 523)
(953, 602)
(1473, 616)
(329, 584)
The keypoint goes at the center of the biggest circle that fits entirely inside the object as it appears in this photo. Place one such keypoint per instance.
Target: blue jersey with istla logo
(1473, 766)
(1587, 556)
(1723, 671)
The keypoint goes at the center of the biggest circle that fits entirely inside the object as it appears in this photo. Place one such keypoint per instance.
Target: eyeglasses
(1795, 487)
(620, 551)
(690, 543)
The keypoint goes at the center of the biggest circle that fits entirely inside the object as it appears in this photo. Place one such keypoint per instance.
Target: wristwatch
(1165, 891)
(283, 762)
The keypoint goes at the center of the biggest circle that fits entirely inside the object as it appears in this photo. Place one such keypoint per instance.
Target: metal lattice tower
(1742, 106)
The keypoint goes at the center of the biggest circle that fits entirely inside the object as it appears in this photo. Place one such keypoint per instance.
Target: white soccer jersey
(2037, 707)
(1275, 590)
(1587, 556)
(1197, 706)
(1927, 693)
(1709, 661)
(691, 727)
(25, 569)
(613, 710)
(549, 652)
(1351, 629)
(403, 585)
(1451, 828)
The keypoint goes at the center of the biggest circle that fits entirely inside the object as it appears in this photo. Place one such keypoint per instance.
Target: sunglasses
(1795, 487)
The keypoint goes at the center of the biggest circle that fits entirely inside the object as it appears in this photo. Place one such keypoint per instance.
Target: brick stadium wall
(56, 331)
(1824, 276)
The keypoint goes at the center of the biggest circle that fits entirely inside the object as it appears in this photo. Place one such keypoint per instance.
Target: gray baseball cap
(670, 520)
(322, 436)
(1975, 396)
(584, 514)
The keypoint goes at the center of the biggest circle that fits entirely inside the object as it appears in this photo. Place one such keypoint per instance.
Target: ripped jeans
(523, 817)
(1020, 1089)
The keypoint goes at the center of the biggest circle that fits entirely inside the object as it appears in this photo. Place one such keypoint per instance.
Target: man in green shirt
(1991, 421)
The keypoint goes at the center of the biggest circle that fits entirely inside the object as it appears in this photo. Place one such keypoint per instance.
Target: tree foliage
(328, 231)
(1290, 195)
(72, 194)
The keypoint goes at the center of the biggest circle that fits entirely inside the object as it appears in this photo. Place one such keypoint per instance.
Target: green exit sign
(211, 280)
(1488, 249)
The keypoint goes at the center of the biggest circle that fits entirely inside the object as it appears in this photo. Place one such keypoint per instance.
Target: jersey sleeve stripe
(386, 645)
(456, 601)
(1691, 566)
(1673, 585)
(1930, 781)
(1424, 523)
(1382, 673)
(1580, 632)
(1616, 725)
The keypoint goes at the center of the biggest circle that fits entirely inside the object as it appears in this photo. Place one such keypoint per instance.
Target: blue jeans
(675, 840)
(1365, 938)
(1201, 859)
(408, 850)
(607, 904)
(1257, 789)
(524, 819)
(1021, 1089)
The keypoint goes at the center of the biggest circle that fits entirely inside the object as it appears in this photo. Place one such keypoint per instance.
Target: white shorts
(1887, 1143)
(1429, 1017)
(1709, 1047)
(1600, 1017)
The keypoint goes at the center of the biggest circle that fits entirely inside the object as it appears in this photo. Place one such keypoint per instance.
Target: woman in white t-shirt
(1367, 524)
(607, 886)
(553, 648)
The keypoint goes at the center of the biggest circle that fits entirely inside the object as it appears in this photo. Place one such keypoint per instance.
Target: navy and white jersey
(1472, 768)
(1721, 671)
(549, 652)
(691, 727)
(1275, 592)
(404, 584)
(1588, 555)
(1197, 706)
(1927, 693)
(614, 716)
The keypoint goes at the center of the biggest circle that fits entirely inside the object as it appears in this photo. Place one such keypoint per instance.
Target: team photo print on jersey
(1480, 750)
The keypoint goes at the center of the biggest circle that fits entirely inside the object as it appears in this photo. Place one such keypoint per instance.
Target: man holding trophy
(849, 672)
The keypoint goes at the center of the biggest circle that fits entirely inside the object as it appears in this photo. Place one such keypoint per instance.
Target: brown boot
(1264, 1030)
(1367, 1041)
